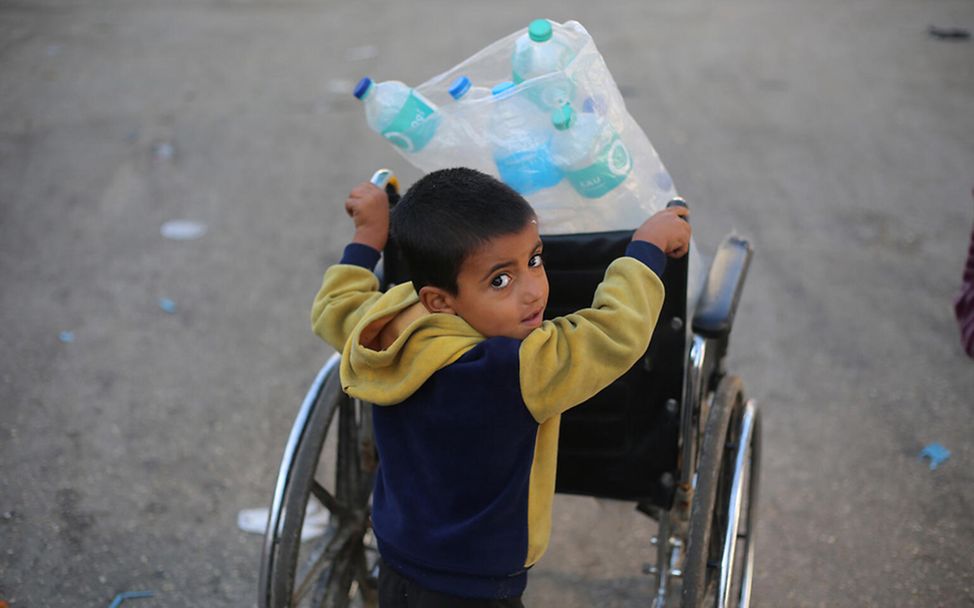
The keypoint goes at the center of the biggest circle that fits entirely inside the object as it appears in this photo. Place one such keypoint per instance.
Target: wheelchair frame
(705, 507)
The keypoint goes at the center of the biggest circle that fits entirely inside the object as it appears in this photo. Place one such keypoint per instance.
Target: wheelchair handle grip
(679, 202)
(385, 179)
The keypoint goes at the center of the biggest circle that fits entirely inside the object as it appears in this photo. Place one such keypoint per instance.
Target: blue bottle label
(414, 125)
(609, 170)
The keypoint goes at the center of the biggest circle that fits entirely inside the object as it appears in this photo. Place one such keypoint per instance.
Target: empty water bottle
(540, 53)
(589, 151)
(521, 138)
(398, 113)
(463, 89)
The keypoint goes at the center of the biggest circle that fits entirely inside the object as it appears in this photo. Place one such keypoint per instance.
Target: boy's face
(502, 287)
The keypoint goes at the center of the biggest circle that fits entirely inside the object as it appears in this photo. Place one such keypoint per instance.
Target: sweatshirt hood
(398, 345)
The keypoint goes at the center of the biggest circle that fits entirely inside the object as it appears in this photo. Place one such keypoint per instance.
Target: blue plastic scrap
(128, 595)
(167, 305)
(66, 337)
(936, 453)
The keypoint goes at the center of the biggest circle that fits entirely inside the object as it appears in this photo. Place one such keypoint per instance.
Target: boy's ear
(436, 299)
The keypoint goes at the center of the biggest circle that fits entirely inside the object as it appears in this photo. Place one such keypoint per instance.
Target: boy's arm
(570, 359)
(350, 288)
(347, 292)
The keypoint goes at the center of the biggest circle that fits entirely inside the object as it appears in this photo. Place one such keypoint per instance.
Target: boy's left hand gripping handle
(386, 179)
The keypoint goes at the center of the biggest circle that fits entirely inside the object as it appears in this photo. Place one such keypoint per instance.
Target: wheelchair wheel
(720, 544)
(334, 565)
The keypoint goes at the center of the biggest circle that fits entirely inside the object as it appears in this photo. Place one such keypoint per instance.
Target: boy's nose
(535, 290)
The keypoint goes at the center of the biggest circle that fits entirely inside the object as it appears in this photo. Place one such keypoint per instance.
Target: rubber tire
(728, 404)
(296, 495)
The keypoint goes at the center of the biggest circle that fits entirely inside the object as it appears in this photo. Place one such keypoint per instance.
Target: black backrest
(622, 443)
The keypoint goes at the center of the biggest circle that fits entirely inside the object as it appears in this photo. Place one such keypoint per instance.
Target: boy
(469, 379)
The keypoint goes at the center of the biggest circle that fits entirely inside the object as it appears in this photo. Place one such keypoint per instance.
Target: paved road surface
(837, 135)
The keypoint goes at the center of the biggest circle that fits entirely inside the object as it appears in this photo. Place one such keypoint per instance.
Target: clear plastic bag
(622, 184)
(615, 185)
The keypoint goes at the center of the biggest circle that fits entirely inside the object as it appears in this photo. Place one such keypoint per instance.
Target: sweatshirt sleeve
(569, 359)
(348, 290)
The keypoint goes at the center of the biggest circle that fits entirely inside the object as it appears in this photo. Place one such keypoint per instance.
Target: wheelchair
(675, 435)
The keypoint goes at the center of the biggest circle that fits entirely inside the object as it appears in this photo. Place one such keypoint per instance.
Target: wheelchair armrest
(718, 303)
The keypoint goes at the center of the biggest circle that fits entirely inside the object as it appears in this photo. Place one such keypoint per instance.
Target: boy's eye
(500, 281)
(535, 261)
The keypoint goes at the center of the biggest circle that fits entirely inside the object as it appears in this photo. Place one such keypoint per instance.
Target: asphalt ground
(838, 136)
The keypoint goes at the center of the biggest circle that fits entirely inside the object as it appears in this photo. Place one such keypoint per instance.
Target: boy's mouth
(534, 319)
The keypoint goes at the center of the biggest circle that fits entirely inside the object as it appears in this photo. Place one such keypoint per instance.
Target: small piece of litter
(183, 230)
(340, 86)
(128, 595)
(167, 305)
(315, 520)
(949, 33)
(66, 336)
(936, 453)
(361, 53)
(163, 150)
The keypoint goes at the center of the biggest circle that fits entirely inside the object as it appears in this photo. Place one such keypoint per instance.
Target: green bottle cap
(562, 117)
(540, 30)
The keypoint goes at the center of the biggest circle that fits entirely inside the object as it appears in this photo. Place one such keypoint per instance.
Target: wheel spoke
(337, 595)
(334, 547)
(325, 497)
(348, 470)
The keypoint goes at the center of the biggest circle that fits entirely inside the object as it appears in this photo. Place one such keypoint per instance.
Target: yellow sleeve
(569, 359)
(347, 292)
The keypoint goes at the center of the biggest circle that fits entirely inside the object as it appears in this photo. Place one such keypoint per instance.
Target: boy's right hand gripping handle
(679, 202)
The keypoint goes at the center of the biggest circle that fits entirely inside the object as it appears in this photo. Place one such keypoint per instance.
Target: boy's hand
(667, 230)
(368, 206)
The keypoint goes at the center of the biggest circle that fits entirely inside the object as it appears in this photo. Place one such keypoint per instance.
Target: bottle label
(414, 125)
(609, 170)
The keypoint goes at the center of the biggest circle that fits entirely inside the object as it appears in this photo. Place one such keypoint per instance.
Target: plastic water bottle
(459, 138)
(589, 151)
(398, 113)
(521, 138)
(463, 89)
(539, 53)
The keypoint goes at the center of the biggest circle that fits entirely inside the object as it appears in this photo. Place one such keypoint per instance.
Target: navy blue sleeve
(648, 254)
(358, 254)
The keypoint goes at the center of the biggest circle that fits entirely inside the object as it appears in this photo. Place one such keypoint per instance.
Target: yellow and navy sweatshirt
(466, 425)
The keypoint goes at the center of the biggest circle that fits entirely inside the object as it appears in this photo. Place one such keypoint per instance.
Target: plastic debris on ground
(949, 33)
(936, 453)
(361, 53)
(316, 520)
(66, 336)
(167, 305)
(183, 230)
(163, 150)
(129, 595)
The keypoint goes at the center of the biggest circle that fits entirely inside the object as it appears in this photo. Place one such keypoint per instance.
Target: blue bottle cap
(459, 87)
(362, 88)
(500, 88)
(562, 117)
(540, 30)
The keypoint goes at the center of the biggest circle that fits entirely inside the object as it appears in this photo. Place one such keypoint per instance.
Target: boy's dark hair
(447, 215)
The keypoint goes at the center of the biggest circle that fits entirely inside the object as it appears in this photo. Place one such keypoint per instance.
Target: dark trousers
(397, 591)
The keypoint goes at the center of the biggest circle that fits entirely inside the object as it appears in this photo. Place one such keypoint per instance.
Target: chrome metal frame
(274, 521)
(673, 524)
(736, 496)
